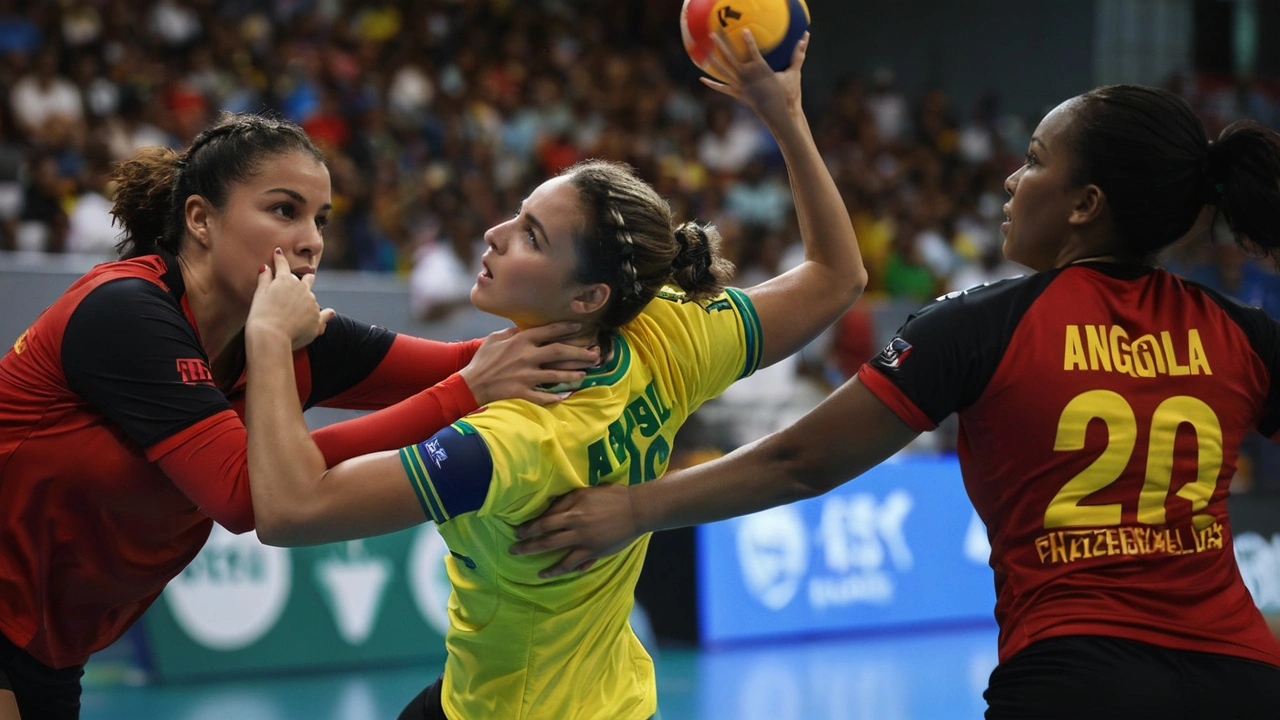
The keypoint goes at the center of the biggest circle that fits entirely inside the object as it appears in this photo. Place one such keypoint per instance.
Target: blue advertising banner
(899, 546)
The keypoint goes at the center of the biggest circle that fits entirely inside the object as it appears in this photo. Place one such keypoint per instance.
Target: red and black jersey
(1101, 410)
(117, 449)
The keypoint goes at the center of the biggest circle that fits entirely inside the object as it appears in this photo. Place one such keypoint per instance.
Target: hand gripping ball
(777, 26)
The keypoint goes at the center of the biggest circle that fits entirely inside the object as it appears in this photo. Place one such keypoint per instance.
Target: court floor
(935, 675)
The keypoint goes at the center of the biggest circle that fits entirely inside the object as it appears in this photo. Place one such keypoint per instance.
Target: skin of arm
(798, 305)
(296, 499)
(849, 433)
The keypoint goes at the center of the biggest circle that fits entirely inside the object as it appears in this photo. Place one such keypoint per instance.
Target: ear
(1089, 204)
(590, 299)
(198, 216)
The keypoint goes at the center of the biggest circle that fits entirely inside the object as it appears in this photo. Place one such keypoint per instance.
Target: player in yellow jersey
(597, 246)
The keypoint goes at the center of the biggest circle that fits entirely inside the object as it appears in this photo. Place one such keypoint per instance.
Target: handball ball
(776, 25)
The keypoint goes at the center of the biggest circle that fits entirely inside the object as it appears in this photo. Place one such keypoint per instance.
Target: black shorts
(427, 705)
(1096, 677)
(41, 691)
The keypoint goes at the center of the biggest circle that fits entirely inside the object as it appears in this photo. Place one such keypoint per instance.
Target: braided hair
(153, 186)
(628, 242)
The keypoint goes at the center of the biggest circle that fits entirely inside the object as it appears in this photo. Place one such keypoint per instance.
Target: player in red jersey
(1101, 402)
(121, 438)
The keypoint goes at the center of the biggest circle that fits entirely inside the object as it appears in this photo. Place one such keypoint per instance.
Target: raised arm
(798, 305)
(849, 433)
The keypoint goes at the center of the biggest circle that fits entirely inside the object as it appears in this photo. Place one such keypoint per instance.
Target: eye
(284, 210)
(1031, 159)
(322, 221)
(531, 238)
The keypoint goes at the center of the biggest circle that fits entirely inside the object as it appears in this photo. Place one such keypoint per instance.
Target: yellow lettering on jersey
(1109, 349)
(1147, 358)
(1120, 351)
(1174, 367)
(1199, 359)
(1099, 355)
(20, 345)
(1073, 354)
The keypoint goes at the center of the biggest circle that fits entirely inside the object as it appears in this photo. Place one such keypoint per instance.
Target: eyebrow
(1037, 141)
(298, 196)
(538, 226)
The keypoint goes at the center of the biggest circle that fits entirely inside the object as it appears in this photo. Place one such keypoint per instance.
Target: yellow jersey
(524, 648)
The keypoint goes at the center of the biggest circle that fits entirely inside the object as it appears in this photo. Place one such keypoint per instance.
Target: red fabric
(409, 421)
(894, 399)
(92, 526)
(1171, 580)
(409, 366)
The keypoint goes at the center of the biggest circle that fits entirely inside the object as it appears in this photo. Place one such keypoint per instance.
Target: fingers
(561, 352)
(551, 331)
(798, 55)
(309, 280)
(753, 50)
(717, 86)
(541, 544)
(264, 278)
(281, 264)
(719, 60)
(567, 564)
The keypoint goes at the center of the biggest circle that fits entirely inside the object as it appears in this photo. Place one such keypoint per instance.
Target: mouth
(301, 272)
(1008, 220)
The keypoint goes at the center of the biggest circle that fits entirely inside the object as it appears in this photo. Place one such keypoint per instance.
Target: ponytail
(143, 202)
(1242, 179)
(698, 268)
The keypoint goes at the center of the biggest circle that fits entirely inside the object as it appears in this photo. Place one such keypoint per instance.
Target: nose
(310, 245)
(1011, 182)
(491, 238)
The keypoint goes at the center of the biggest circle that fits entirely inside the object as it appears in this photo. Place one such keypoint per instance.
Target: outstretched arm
(850, 432)
(798, 305)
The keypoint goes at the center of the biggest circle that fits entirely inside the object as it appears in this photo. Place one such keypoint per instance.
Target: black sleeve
(130, 352)
(942, 358)
(344, 355)
(1264, 337)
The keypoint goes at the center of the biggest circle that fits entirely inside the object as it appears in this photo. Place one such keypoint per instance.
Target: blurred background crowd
(437, 117)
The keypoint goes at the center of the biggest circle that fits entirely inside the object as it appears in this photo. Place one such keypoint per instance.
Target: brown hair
(629, 242)
(153, 186)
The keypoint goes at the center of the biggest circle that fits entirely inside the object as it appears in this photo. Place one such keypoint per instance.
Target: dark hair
(1148, 152)
(153, 186)
(629, 243)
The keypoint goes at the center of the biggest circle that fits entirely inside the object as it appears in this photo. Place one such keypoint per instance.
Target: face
(1040, 201)
(285, 205)
(528, 274)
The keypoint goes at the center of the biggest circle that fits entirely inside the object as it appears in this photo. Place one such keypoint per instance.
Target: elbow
(285, 528)
(807, 475)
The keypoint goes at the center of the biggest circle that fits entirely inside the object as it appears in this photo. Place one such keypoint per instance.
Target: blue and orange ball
(776, 25)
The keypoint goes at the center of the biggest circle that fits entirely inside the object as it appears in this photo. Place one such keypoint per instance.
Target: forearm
(848, 433)
(402, 424)
(284, 462)
(755, 477)
(825, 226)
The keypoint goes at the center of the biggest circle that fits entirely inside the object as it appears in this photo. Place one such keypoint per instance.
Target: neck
(588, 337)
(218, 319)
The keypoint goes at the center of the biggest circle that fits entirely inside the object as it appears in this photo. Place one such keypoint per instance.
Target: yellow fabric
(522, 648)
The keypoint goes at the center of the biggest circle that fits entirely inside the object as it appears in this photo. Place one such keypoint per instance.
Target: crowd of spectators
(438, 116)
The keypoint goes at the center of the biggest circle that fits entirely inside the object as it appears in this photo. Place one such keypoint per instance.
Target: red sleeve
(895, 399)
(405, 423)
(209, 462)
(409, 366)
